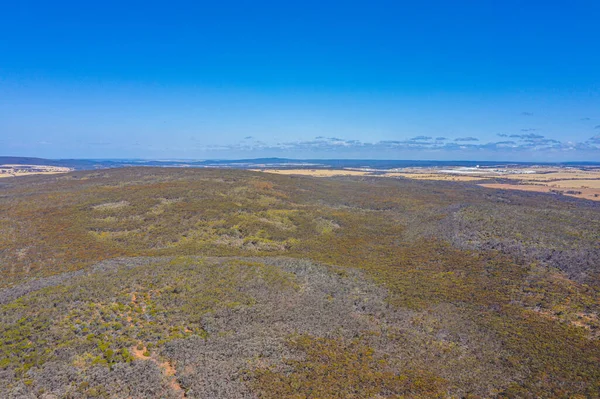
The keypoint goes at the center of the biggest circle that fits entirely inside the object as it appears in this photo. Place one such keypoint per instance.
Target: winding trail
(167, 368)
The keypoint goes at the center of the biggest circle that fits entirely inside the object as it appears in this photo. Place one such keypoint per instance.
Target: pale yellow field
(587, 182)
(431, 176)
(555, 176)
(544, 180)
(346, 172)
(315, 172)
(575, 183)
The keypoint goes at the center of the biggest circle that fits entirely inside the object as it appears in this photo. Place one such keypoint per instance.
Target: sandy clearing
(139, 353)
(12, 170)
(16, 174)
(168, 369)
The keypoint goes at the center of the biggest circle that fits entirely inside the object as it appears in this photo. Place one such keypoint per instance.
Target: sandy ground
(26, 170)
(29, 173)
(167, 368)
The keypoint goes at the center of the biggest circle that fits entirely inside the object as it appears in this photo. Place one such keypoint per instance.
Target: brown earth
(167, 368)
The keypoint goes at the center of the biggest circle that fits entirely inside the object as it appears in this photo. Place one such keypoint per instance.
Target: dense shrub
(478, 291)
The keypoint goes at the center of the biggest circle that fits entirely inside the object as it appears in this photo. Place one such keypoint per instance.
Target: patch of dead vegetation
(110, 205)
(163, 205)
(325, 226)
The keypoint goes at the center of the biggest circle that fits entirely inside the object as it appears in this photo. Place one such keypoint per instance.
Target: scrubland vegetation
(256, 285)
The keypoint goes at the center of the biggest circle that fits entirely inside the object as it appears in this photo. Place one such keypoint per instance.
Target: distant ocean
(279, 163)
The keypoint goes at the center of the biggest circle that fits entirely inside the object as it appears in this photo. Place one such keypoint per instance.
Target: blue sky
(481, 80)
